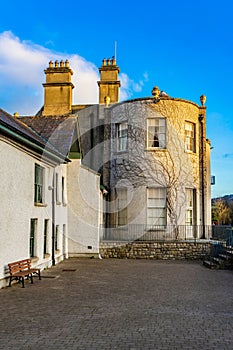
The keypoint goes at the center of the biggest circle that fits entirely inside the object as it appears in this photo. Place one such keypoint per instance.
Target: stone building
(73, 175)
(154, 161)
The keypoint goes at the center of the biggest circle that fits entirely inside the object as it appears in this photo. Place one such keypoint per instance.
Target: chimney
(109, 84)
(58, 89)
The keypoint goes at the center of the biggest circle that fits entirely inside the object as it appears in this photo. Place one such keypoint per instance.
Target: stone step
(210, 264)
(218, 260)
(224, 257)
(229, 252)
(222, 263)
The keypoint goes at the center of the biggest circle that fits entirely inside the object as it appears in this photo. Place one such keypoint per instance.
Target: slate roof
(21, 129)
(17, 126)
(57, 130)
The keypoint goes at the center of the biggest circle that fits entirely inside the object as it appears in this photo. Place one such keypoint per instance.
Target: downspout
(201, 117)
(53, 219)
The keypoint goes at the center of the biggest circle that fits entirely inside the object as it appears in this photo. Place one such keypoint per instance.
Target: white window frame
(190, 137)
(33, 237)
(156, 133)
(39, 180)
(58, 188)
(46, 237)
(122, 210)
(64, 243)
(190, 195)
(156, 206)
(64, 196)
(122, 137)
(57, 238)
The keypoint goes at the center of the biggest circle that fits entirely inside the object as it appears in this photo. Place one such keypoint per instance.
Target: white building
(30, 222)
(51, 204)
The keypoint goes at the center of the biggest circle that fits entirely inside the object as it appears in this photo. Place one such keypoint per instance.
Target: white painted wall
(61, 214)
(17, 208)
(84, 209)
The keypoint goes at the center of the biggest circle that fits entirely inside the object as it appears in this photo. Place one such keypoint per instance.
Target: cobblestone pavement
(120, 304)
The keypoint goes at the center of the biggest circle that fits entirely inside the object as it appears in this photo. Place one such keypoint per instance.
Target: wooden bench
(21, 269)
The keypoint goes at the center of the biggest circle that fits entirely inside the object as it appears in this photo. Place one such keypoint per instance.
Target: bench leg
(22, 279)
(10, 281)
(31, 278)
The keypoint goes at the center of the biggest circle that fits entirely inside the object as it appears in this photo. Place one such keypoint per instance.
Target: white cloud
(21, 62)
(84, 79)
(22, 65)
(129, 86)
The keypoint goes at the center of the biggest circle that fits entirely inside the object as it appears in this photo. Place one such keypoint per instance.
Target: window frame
(33, 233)
(63, 186)
(46, 232)
(39, 184)
(190, 206)
(122, 207)
(56, 238)
(190, 140)
(58, 188)
(121, 137)
(64, 247)
(161, 220)
(160, 123)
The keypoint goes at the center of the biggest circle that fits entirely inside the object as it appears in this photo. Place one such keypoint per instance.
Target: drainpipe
(201, 117)
(53, 219)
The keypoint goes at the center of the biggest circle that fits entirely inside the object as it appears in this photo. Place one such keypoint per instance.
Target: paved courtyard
(120, 304)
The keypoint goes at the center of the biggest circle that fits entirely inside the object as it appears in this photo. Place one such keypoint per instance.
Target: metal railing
(140, 232)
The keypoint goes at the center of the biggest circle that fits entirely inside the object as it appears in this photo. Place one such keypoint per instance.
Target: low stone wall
(156, 250)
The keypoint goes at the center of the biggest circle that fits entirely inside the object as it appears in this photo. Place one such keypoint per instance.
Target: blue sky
(184, 47)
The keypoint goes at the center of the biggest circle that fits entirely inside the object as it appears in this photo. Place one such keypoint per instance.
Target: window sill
(122, 227)
(34, 259)
(152, 149)
(40, 204)
(120, 152)
(190, 152)
(46, 255)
